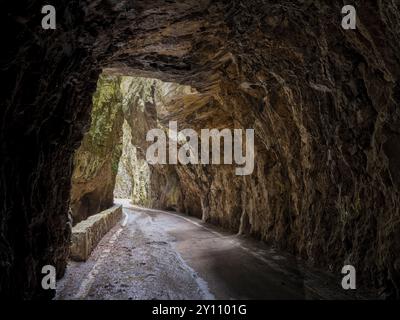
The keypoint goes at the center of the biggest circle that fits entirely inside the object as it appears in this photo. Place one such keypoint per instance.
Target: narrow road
(163, 255)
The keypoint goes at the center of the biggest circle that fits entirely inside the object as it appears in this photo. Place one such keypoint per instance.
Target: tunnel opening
(111, 161)
(324, 185)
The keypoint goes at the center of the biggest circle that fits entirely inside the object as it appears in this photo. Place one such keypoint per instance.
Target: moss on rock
(96, 160)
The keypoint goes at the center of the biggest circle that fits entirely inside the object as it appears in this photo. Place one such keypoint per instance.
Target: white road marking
(202, 284)
(233, 241)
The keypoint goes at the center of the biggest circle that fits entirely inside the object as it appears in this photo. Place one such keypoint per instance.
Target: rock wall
(323, 102)
(96, 160)
(152, 186)
(133, 177)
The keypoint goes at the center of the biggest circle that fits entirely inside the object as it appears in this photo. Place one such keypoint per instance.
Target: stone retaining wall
(87, 234)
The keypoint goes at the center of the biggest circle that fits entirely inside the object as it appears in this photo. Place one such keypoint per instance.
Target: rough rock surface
(132, 180)
(323, 102)
(96, 160)
(154, 186)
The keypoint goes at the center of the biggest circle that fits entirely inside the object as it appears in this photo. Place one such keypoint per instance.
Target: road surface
(163, 255)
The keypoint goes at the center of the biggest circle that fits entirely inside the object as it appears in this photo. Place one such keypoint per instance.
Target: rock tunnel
(323, 101)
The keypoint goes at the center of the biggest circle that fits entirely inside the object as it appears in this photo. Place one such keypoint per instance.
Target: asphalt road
(163, 255)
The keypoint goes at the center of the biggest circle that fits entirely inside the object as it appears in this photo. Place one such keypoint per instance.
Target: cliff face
(96, 160)
(323, 102)
(133, 177)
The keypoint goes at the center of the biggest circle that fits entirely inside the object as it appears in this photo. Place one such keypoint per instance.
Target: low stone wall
(87, 234)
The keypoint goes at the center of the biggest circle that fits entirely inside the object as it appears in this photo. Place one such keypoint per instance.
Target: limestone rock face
(96, 160)
(323, 102)
(133, 177)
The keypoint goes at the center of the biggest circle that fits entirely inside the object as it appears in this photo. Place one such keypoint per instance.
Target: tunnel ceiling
(322, 100)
